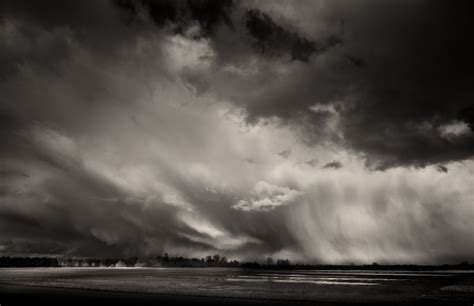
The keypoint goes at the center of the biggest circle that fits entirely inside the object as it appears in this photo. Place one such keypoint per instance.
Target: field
(235, 286)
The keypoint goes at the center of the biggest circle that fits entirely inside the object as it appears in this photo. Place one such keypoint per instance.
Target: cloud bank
(328, 132)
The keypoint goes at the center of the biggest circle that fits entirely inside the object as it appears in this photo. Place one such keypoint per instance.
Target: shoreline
(22, 294)
(279, 269)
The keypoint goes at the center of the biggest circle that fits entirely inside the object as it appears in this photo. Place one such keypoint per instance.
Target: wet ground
(231, 286)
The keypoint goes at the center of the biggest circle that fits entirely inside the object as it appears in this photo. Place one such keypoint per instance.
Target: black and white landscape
(323, 149)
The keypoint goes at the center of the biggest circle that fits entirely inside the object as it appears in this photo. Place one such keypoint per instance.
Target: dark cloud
(442, 168)
(333, 165)
(285, 153)
(419, 74)
(467, 115)
(312, 162)
(93, 24)
(271, 39)
(208, 14)
(54, 92)
(356, 61)
(398, 74)
(263, 34)
(390, 80)
(82, 213)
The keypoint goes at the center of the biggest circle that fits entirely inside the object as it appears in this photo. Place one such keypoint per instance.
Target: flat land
(231, 286)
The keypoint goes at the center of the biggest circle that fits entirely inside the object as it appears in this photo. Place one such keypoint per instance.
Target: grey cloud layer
(395, 72)
(135, 127)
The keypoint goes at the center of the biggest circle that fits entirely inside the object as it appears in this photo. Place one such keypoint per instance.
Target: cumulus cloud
(453, 130)
(266, 197)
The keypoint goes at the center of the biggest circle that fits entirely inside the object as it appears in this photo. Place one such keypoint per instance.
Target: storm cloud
(326, 131)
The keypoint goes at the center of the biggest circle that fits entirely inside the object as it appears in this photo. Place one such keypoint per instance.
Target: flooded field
(305, 286)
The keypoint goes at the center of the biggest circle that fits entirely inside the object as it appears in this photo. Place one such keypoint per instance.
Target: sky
(320, 131)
